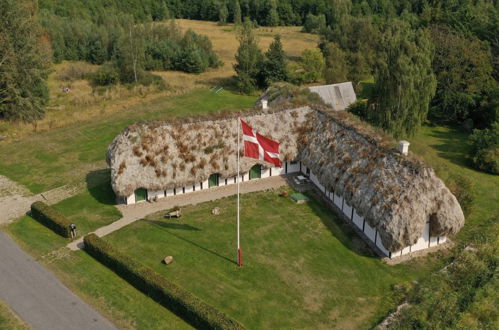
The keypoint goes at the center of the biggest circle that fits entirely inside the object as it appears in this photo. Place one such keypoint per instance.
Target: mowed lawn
(74, 154)
(302, 267)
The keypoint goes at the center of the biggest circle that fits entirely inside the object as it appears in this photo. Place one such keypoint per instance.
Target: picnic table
(173, 214)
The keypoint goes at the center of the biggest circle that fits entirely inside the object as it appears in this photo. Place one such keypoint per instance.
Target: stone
(168, 260)
(215, 211)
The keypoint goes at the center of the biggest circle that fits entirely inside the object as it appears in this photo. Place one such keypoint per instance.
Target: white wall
(380, 245)
(155, 193)
(424, 240)
(179, 191)
(205, 184)
(265, 172)
(358, 220)
(197, 186)
(347, 210)
(369, 231)
(169, 192)
(293, 168)
(433, 241)
(189, 189)
(245, 177)
(338, 201)
(442, 239)
(130, 199)
(276, 170)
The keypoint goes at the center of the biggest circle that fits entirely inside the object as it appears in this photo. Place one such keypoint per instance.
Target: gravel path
(16, 200)
(38, 297)
(134, 212)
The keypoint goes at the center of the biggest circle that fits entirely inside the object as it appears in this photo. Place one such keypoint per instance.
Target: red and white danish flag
(260, 147)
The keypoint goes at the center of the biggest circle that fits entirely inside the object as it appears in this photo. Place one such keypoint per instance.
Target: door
(255, 172)
(213, 180)
(140, 195)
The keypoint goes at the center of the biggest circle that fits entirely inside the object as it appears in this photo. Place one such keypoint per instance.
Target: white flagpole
(239, 253)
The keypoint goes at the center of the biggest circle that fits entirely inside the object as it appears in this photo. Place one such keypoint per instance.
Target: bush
(484, 151)
(464, 191)
(359, 109)
(106, 75)
(179, 301)
(76, 71)
(51, 218)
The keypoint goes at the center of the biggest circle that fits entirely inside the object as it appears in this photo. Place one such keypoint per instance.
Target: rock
(215, 211)
(168, 260)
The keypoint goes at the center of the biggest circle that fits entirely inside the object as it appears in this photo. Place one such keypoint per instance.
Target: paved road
(40, 299)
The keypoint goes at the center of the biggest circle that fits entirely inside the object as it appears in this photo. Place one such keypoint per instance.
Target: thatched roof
(396, 194)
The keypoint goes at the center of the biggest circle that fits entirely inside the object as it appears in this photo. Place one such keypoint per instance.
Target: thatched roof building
(395, 194)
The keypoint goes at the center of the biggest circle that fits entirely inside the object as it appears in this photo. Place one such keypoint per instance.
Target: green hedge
(187, 306)
(51, 218)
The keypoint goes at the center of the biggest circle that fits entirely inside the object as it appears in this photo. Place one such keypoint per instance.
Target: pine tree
(223, 14)
(237, 13)
(404, 80)
(274, 67)
(248, 58)
(25, 56)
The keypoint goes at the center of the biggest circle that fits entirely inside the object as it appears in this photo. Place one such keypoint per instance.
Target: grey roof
(339, 96)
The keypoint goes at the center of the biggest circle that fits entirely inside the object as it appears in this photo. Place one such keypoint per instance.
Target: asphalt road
(38, 297)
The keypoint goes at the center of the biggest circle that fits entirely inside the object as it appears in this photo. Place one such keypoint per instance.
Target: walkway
(16, 200)
(134, 212)
(38, 297)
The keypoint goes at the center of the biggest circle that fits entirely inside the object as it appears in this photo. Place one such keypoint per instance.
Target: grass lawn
(73, 153)
(302, 267)
(8, 320)
(446, 149)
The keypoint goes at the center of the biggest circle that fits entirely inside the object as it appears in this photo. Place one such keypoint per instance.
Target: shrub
(106, 75)
(464, 191)
(76, 71)
(179, 301)
(51, 218)
(484, 151)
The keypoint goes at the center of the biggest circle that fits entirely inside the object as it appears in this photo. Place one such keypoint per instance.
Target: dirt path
(16, 200)
(134, 212)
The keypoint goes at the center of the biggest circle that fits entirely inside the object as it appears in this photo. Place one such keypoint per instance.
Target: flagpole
(239, 252)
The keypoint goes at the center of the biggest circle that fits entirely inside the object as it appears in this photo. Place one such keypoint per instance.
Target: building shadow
(99, 186)
(167, 226)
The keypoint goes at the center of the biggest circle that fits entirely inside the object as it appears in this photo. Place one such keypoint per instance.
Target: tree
(336, 68)
(463, 66)
(274, 67)
(131, 52)
(273, 16)
(223, 14)
(237, 13)
(314, 24)
(404, 81)
(25, 56)
(313, 64)
(248, 58)
(484, 151)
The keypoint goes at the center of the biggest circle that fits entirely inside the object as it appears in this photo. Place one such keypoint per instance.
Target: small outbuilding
(338, 96)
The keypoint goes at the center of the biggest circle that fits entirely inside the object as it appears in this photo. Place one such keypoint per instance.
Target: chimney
(264, 104)
(404, 147)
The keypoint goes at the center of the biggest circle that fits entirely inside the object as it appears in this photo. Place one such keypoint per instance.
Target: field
(84, 103)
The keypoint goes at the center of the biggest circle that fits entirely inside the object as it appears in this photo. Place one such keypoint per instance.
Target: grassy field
(76, 153)
(302, 267)
(8, 320)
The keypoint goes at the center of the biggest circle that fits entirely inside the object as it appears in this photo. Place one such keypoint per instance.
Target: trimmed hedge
(51, 218)
(181, 302)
